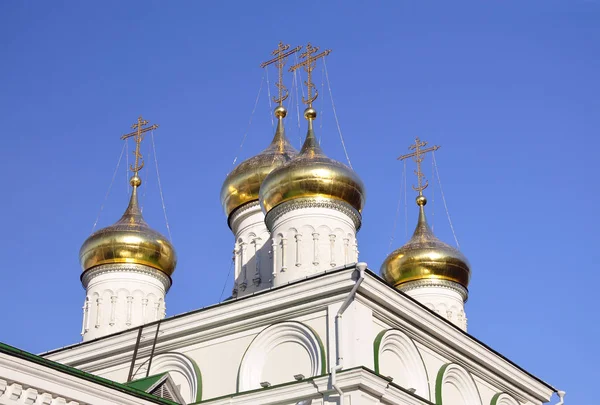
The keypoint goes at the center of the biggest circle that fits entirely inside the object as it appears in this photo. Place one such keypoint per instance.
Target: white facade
(445, 298)
(253, 250)
(311, 235)
(390, 349)
(122, 296)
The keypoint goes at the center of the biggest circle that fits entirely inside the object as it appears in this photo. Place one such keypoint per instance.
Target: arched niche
(184, 372)
(503, 398)
(397, 356)
(455, 386)
(278, 353)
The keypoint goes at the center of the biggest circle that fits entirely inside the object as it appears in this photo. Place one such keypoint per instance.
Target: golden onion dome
(242, 185)
(312, 174)
(129, 240)
(425, 257)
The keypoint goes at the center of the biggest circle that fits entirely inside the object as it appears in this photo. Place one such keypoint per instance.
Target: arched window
(503, 398)
(183, 371)
(280, 352)
(397, 356)
(455, 386)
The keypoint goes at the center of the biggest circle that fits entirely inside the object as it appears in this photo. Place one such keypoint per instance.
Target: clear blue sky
(510, 89)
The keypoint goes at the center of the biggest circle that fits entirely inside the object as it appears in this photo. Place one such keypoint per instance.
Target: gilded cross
(279, 60)
(417, 156)
(309, 64)
(139, 137)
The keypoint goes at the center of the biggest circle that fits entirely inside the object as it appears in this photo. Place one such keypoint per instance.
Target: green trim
(13, 351)
(439, 381)
(198, 379)
(376, 347)
(144, 384)
(438, 384)
(495, 398)
(321, 346)
(319, 341)
(196, 370)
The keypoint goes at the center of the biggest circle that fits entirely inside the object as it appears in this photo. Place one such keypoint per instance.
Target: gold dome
(312, 174)
(243, 184)
(425, 257)
(129, 240)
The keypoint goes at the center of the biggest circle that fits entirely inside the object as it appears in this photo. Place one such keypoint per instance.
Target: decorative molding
(125, 268)
(182, 364)
(301, 203)
(241, 211)
(502, 398)
(253, 362)
(403, 346)
(451, 285)
(461, 379)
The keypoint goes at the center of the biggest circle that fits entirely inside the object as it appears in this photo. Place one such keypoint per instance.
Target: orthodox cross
(309, 64)
(279, 59)
(417, 156)
(139, 137)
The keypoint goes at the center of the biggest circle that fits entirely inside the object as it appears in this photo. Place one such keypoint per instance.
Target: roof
(312, 277)
(144, 384)
(13, 351)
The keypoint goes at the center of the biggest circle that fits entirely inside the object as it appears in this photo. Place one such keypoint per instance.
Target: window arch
(455, 386)
(184, 372)
(503, 398)
(397, 356)
(288, 347)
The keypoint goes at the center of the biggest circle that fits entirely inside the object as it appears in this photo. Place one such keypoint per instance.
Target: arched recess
(455, 386)
(184, 372)
(503, 398)
(287, 348)
(397, 356)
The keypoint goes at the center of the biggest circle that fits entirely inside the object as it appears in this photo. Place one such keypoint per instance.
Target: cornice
(302, 203)
(440, 335)
(243, 211)
(311, 295)
(432, 282)
(125, 268)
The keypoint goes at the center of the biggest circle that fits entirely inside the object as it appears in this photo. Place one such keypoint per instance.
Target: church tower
(253, 251)
(127, 267)
(432, 272)
(312, 203)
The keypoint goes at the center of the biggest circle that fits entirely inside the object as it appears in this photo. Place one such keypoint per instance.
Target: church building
(308, 321)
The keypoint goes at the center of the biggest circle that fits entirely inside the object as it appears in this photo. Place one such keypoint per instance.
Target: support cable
(405, 205)
(432, 197)
(162, 198)
(335, 113)
(269, 97)
(444, 199)
(109, 187)
(145, 184)
(127, 186)
(250, 121)
(397, 211)
(226, 280)
(298, 107)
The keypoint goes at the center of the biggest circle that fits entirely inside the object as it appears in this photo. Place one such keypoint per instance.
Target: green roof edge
(13, 351)
(143, 384)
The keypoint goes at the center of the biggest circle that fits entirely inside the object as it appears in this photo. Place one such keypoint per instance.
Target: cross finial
(279, 60)
(418, 157)
(139, 137)
(309, 63)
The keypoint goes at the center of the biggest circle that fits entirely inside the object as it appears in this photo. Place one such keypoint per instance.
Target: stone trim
(125, 268)
(451, 285)
(241, 210)
(301, 203)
